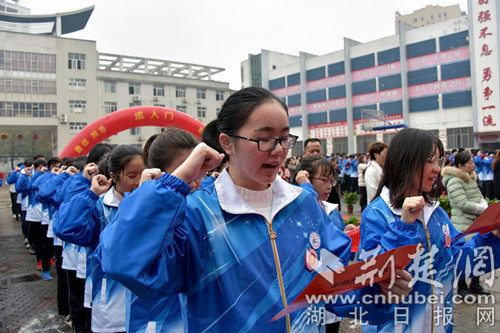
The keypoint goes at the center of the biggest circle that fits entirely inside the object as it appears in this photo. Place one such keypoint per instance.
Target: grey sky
(223, 32)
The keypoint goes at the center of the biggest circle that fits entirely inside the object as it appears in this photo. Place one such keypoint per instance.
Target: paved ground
(28, 304)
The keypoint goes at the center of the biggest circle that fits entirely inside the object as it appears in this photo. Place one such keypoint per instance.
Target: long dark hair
(407, 154)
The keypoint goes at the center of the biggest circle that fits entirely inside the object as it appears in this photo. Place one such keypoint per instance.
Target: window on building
(422, 19)
(27, 62)
(76, 127)
(135, 131)
(217, 111)
(201, 112)
(180, 92)
(414, 20)
(77, 106)
(160, 105)
(77, 84)
(26, 109)
(339, 145)
(158, 90)
(134, 88)
(219, 95)
(76, 61)
(445, 14)
(110, 87)
(181, 108)
(363, 142)
(432, 17)
(440, 15)
(388, 137)
(460, 137)
(201, 93)
(110, 107)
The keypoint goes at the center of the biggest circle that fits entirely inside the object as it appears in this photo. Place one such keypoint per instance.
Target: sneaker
(26, 241)
(32, 249)
(39, 265)
(67, 321)
(46, 275)
(14, 216)
(52, 262)
(27, 246)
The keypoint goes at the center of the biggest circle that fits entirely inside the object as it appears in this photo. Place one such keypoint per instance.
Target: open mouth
(270, 166)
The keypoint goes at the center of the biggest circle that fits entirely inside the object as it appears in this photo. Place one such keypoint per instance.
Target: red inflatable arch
(125, 119)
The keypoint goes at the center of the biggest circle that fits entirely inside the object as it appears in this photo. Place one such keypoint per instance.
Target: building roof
(47, 24)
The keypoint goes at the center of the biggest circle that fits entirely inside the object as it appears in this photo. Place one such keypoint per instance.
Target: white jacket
(373, 174)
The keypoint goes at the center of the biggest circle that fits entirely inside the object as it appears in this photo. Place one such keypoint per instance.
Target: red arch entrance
(125, 119)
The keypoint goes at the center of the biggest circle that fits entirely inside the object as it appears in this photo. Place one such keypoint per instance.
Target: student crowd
(206, 237)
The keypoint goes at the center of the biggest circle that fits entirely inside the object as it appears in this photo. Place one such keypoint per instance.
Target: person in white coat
(373, 173)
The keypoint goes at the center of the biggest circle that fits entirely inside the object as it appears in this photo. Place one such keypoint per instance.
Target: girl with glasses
(236, 250)
(405, 212)
(315, 174)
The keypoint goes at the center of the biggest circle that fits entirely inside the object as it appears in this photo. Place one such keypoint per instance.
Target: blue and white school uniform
(81, 225)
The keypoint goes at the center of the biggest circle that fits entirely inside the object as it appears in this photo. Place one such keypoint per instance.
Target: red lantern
(35, 137)
(20, 137)
(4, 137)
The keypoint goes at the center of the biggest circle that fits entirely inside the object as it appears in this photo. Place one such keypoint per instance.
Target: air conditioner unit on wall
(139, 138)
(136, 98)
(63, 118)
(184, 101)
(156, 98)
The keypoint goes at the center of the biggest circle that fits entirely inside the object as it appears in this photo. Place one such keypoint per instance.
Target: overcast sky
(222, 33)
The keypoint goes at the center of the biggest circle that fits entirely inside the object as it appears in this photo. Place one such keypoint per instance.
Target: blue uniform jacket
(12, 177)
(74, 256)
(381, 226)
(235, 269)
(81, 225)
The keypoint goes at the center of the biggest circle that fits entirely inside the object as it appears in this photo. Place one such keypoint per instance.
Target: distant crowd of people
(220, 236)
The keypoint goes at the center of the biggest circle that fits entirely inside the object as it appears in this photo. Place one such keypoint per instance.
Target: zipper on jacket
(272, 236)
(430, 270)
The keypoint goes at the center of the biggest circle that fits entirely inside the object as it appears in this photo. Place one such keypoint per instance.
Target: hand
(61, 169)
(55, 171)
(90, 171)
(201, 160)
(412, 208)
(215, 174)
(44, 169)
(100, 184)
(17, 169)
(150, 174)
(71, 170)
(349, 227)
(302, 177)
(400, 288)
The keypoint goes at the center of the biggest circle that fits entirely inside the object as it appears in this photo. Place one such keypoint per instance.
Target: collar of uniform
(110, 198)
(329, 207)
(232, 202)
(428, 209)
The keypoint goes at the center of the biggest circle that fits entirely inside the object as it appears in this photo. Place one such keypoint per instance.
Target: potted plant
(350, 198)
(444, 202)
(351, 220)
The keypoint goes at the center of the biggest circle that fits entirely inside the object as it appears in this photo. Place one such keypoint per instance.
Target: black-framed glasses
(268, 144)
(327, 182)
